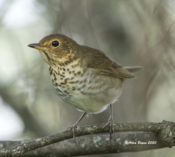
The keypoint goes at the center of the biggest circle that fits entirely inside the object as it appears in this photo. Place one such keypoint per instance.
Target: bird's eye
(55, 43)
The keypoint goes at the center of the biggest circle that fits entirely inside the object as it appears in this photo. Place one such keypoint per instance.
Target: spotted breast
(83, 88)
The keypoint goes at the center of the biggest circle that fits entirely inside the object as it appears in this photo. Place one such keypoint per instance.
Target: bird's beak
(36, 46)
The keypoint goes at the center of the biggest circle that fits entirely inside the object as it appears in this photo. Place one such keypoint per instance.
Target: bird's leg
(110, 121)
(74, 126)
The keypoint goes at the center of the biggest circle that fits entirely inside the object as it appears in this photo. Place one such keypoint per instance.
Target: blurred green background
(131, 32)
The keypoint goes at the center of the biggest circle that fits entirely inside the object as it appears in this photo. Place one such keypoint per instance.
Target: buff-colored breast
(83, 88)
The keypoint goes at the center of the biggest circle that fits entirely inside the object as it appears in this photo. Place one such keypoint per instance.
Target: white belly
(95, 103)
(95, 99)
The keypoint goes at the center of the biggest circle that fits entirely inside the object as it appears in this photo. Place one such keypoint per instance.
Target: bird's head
(56, 48)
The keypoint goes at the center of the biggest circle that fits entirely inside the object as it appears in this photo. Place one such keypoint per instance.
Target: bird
(84, 77)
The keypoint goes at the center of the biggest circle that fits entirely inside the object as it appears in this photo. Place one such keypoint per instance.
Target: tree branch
(127, 137)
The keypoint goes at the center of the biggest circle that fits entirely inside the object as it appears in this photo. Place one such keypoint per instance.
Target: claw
(111, 130)
(75, 125)
(110, 123)
(73, 130)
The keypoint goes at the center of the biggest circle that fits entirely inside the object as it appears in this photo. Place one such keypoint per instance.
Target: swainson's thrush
(84, 77)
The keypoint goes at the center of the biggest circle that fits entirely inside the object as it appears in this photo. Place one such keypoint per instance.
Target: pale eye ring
(55, 43)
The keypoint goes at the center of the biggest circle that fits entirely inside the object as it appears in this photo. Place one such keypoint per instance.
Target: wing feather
(98, 61)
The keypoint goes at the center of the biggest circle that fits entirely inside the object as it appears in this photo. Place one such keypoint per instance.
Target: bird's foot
(110, 125)
(74, 127)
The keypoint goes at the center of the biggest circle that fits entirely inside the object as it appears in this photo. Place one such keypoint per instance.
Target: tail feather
(133, 68)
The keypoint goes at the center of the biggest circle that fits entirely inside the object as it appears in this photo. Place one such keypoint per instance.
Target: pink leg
(76, 123)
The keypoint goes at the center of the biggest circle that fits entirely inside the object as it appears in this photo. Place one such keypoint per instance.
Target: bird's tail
(133, 69)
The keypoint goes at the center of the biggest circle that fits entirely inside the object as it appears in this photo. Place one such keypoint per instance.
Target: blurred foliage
(131, 32)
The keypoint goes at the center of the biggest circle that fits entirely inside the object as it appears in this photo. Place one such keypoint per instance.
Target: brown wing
(102, 64)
